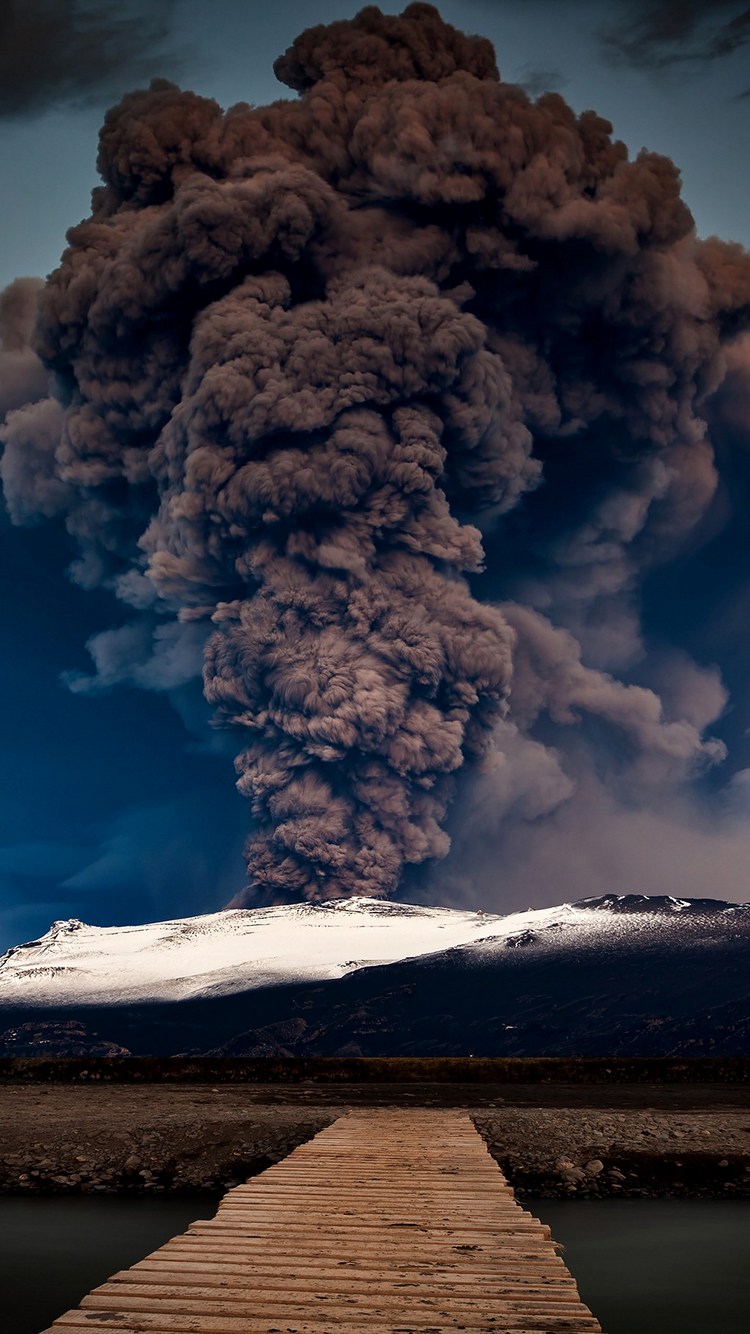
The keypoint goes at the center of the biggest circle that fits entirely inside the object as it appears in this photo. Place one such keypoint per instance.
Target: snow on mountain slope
(229, 952)
(226, 952)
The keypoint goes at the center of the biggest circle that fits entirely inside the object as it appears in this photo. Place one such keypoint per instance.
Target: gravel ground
(597, 1152)
(158, 1139)
(173, 1139)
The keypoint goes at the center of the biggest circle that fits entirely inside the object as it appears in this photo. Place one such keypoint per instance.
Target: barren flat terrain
(552, 1139)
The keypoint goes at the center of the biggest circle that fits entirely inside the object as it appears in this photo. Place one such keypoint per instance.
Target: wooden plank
(304, 1326)
(368, 1229)
(421, 1244)
(257, 1268)
(386, 1221)
(173, 1323)
(119, 1292)
(226, 1273)
(385, 1307)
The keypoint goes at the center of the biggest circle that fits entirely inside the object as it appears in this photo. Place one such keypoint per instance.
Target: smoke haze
(389, 403)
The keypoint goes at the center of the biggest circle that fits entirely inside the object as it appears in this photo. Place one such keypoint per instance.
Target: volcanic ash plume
(303, 349)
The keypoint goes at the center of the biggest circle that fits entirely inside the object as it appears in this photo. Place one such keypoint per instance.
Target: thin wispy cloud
(675, 33)
(535, 80)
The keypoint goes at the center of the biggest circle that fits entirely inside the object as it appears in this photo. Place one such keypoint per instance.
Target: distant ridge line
(375, 1070)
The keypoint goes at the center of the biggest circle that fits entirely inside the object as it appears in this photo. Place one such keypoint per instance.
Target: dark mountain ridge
(645, 977)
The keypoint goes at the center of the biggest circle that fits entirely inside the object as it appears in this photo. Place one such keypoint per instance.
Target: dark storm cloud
(146, 865)
(676, 33)
(139, 863)
(55, 52)
(314, 360)
(40, 859)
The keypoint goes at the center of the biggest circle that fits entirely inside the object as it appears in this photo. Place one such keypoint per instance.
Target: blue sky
(120, 806)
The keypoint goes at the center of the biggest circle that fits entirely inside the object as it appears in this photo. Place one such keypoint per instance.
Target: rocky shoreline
(177, 1140)
(119, 1140)
(598, 1153)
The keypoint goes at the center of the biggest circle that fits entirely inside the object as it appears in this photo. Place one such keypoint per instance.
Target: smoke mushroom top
(311, 361)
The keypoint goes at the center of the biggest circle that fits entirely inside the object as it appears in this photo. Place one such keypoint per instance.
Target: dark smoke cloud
(676, 33)
(314, 360)
(27, 468)
(55, 52)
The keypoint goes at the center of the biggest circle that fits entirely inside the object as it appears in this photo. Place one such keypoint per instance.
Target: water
(54, 1250)
(657, 1266)
(643, 1266)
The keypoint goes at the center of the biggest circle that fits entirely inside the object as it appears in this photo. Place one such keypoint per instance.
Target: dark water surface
(53, 1251)
(657, 1266)
(643, 1266)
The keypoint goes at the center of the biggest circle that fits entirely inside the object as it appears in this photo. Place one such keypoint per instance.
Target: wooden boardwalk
(393, 1221)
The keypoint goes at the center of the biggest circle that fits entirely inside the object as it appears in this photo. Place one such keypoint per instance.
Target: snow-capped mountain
(618, 973)
(227, 952)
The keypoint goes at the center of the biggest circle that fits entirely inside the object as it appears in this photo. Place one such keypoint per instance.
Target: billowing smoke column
(304, 353)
